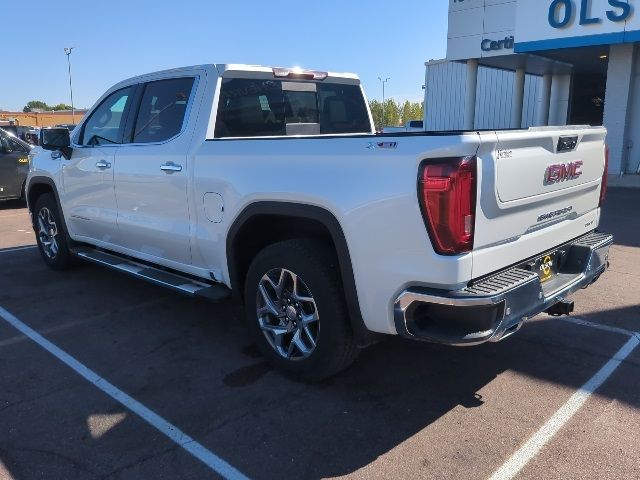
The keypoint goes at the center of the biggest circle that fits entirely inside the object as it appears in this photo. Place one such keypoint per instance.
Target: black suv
(14, 166)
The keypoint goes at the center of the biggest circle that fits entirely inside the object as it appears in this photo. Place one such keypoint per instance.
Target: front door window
(106, 124)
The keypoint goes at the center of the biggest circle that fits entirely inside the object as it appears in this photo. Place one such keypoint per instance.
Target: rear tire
(51, 234)
(296, 310)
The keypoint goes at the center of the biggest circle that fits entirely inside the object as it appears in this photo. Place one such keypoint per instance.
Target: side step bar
(214, 292)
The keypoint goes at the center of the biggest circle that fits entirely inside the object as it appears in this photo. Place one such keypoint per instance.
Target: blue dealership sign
(553, 24)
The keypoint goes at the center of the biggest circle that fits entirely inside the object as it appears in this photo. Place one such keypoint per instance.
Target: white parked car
(271, 184)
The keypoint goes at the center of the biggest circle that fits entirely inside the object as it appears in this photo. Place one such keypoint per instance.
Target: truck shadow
(398, 388)
(193, 364)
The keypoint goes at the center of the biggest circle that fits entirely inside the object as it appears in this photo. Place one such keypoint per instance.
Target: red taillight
(605, 175)
(447, 191)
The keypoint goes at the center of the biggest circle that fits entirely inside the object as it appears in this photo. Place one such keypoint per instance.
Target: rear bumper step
(174, 281)
(495, 307)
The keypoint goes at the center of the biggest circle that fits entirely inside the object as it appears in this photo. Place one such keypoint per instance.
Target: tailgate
(539, 188)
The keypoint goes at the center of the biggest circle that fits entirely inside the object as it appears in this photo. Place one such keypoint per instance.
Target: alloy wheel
(287, 314)
(47, 232)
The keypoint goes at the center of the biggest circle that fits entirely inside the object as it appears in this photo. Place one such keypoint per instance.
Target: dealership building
(521, 63)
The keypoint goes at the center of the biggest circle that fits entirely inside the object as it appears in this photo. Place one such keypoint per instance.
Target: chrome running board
(214, 292)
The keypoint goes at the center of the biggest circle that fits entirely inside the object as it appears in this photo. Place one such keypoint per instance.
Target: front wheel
(296, 310)
(50, 233)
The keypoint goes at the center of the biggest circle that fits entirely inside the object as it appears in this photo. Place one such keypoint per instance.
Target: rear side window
(256, 108)
(162, 110)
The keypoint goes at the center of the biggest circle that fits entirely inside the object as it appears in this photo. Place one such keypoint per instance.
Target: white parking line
(85, 320)
(16, 249)
(58, 328)
(207, 457)
(533, 446)
(4, 473)
(599, 326)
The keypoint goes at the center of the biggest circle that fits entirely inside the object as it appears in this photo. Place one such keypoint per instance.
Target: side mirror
(56, 139)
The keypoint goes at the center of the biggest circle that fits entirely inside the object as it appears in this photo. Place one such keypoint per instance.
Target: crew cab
(271, 185)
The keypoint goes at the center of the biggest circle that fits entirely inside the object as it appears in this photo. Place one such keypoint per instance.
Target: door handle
(102, 164)
(170, 167)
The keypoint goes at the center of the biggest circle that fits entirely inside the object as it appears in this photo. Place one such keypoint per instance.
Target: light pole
(67, 51)
(383, 85)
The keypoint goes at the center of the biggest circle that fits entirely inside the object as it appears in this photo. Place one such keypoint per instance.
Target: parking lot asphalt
(403, 410)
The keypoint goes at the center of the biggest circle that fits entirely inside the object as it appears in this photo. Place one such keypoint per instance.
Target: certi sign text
(489, 45)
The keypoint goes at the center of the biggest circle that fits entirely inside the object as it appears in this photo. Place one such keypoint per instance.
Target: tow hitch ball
(563, 307)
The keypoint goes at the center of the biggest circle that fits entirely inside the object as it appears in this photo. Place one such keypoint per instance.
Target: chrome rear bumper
(495, 307)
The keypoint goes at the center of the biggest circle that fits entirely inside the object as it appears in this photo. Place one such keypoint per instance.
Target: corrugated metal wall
(446, 92)
(444, 96)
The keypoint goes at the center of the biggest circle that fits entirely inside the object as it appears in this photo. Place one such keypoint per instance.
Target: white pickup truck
(271, 183)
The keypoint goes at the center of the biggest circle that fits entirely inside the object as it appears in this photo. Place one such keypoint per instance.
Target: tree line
(39, 105)
(395, 114)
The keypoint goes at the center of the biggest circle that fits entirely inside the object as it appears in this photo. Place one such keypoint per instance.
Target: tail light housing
(605, 176)
(447, 192)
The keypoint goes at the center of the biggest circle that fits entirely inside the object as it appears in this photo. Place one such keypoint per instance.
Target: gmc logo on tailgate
(563, 171)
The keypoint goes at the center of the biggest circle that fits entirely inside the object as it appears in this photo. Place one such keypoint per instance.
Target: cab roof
(237, 70)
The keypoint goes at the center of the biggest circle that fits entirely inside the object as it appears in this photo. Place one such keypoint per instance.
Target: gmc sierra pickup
(271, 183)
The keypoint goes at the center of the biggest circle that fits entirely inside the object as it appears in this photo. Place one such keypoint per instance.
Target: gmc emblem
(563, 171)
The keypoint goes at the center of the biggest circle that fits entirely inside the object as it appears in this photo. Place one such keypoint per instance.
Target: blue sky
(117, 39)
